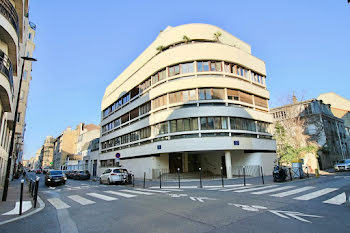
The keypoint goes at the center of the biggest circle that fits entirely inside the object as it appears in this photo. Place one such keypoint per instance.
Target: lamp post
(6, 185)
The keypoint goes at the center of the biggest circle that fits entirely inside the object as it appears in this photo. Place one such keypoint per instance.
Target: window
(211, 93)
(242, 124)
(126, 98)
(159, 76)
(125, 118)
(29, 35)
(187, 68)
(233, 94)
(161, 128)
(146, 84)
(159, 101)
(207, 123)
(202, 66)
(145, 108)
(215, 66)
(263, 127)
(18, 117)
(174, 70)
(186, 124)
(145, 132)
(134, 113)
(134, 136)
(261, 102)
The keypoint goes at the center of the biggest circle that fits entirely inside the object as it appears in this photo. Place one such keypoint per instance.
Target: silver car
(342, 165)
(114, 175)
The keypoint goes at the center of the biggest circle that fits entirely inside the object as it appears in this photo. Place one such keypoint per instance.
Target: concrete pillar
(228, 164)
(185, 162)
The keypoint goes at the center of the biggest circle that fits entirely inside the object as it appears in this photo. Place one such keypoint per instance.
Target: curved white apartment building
(196, 97)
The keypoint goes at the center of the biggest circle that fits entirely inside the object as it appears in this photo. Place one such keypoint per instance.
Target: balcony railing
(32, 25)
(6, 67)
(9, 12)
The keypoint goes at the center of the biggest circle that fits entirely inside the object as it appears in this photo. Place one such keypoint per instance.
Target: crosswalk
(109, 195)
(305, 193)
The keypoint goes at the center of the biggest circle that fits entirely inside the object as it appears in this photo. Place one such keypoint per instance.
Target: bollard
(178, 175)
(244, 175)
(30, 185)
(144, 180)
(307, 172)
(262, 175)
(133, 180)
(36, 191)
(160, 179)
(21, 198)
(200, 178)
(317, 173)
(222, 176)
(32, 190)
(290, 174)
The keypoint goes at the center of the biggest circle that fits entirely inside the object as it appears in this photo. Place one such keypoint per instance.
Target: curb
(42, 206)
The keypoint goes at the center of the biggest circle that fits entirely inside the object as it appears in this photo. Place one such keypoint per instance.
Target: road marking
(177, 195)
(26, 205)
(81, 200)
(213, 189)
(174, 190)
(136, 192)
(201, 199)
(220, 186)
(273, 190)
(154, 191)
(174, 187)
(239, 188)
(254, 189)
(101, 196)
(58, 204)
(316, 194)
(291, 192)
(337, 200)
(121, 194)
(296, 215)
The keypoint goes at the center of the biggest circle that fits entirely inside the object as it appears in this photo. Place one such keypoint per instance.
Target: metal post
(178, 175)
(160, 179)
(133, 180)
(200, 178)
(222, 176)
(33, 187)
(30, 185)
(262, 175)
(144, 180)
(290, 174)
(21, 198)
(307, 172)
(36, 191)
(244, 175)
(300, 173)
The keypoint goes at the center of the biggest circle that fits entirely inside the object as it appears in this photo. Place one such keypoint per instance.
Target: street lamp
(6, 185)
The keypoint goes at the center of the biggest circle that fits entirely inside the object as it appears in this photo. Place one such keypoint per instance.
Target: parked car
(81, 175)
(37, 171)
(55, 177)
(116, 175)
(70, 174)
(342, 165)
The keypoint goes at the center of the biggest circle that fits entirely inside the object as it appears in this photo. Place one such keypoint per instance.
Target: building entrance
(175, 162)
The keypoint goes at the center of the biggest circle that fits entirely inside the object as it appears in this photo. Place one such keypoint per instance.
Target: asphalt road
(309, 205)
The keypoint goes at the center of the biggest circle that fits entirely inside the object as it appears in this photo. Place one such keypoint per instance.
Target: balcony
(6, 67)
(9, 12)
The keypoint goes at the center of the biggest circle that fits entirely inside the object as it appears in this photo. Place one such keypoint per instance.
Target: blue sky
(83, 45)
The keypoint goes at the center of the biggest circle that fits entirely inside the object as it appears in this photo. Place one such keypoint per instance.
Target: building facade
(195, 98)
(322, 126)
(14, 30)
(47, 152)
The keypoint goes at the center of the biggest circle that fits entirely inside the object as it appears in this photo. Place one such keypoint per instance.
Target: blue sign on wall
(236, 143)
(159, 147)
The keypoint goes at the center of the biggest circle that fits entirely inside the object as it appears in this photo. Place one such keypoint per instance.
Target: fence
(204, 174)
(250, 170)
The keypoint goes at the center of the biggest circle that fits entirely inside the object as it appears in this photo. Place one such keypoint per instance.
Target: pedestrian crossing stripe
(127, 195)
(136, 192)
(58, 203)
(154, 191)
(291, 192)
(315, 194)
(102, 197)
(81, 200)
(273, 190)
(337, 200)
(254, 189)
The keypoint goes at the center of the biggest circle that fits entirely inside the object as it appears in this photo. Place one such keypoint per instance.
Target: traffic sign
(117, 155)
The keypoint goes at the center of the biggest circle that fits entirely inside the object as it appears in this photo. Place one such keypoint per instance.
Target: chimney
(295, 100)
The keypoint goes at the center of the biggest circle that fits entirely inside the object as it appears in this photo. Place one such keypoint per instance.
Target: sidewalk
(10, 208)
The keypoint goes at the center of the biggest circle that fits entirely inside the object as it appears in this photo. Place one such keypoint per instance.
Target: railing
(9, 12)
(32, 25)
(6, 67)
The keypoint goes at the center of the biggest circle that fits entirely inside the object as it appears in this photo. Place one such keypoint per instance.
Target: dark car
(38, 171)
(70, 174)
(55, 177)
(81, 175)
